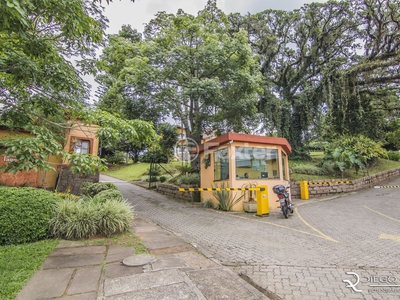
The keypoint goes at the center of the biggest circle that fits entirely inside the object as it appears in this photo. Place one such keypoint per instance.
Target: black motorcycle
(283, 199)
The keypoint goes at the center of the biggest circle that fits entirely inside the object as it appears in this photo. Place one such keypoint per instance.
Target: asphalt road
(303, 257)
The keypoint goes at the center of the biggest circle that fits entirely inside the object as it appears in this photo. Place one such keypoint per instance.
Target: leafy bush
(67, 195)
(114, 217)
(85, 219)
(394, 155)
(163, 178)
(146, 178)
(356, 152)
(189, 179)
(156, 156)
(317, 145)
(184, 169)
(24, 214)
(107, 195)
(310, 169)
(74, 220)
(116, 158)
(93, 188)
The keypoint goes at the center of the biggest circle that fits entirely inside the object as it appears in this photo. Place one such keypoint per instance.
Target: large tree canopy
(326, 67)
(192, 67)
(41, 90)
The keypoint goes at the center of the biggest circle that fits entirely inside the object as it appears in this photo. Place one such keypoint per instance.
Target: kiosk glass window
(221, 164)
(256, 163)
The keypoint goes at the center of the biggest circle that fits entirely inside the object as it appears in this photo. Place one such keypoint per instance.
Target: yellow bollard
(304, 190)
(262, 201)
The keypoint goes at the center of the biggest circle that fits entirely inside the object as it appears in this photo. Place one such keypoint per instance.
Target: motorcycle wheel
(285, 211)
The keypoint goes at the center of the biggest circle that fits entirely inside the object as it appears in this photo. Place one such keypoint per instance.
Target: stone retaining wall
(318, 188)
(72, 182)
(172, 190)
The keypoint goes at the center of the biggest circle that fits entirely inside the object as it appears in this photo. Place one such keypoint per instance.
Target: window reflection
(256, 163)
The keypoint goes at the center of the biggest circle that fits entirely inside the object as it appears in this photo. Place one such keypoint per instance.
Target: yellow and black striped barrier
(387, 187)
(330, 182)
(219, 189)
(305, 184)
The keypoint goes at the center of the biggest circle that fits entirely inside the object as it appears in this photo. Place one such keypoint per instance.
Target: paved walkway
(178, 271)
(303, 257)
(354, 237)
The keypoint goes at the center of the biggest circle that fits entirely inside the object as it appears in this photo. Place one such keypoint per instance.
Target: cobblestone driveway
(303, 257)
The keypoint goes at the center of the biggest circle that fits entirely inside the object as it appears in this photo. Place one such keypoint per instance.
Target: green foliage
(191, 179)
(214, 73)
(326, 169)
(67, 195)
(116, 217)
(163, 178)
(18, 264)
(225, 198)
(107, 195)
(184, 168)
(169, 137)
(42, 92)
(155, 155)
(91, 189)
(24, 214)
(154, 171)
(354, 152)
(85, 219)
(74, 219)
(317, 145)
(394, 155)
(117, 158)
(30, 152)
(85, 164)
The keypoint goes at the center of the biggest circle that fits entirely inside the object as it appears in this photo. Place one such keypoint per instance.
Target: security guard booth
(244, 161)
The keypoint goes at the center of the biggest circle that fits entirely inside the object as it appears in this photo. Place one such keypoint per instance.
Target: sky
(140, 12)
(121, 12)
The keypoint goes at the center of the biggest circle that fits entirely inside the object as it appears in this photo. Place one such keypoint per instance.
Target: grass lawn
(132, 172)
(19, 262)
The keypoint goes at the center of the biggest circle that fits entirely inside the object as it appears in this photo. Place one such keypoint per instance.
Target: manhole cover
(138, 260)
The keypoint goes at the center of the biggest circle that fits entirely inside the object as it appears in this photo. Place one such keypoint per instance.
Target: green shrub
(85, 219)
(67, 195)
(117, 158)
(163, 178)
(189, 179)
(74, 220)
(93, 189)
(309, 169)
(146, 178)
(107, 195)
(184, 169)
(24, 214)
(114, 217)
(394, 155)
